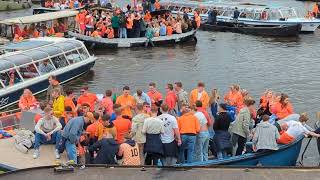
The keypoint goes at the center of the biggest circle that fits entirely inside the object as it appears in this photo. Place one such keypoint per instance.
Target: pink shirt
(107, 104)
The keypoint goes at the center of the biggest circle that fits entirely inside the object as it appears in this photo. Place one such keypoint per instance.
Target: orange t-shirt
(69, 102)
(123, 126)
(188, 123)
(148, 17)
(92, 129)
(111, 33)
(169, 30)
(155, 97)
(89, 99)
(27, 102)
(131, 155)
(233, 99)
(129, 23)
(124, 101)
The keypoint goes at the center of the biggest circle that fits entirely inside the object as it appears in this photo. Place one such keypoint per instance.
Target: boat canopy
(40, 17)
(38, 53)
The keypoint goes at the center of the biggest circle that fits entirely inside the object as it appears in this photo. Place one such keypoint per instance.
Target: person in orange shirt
(82, 21)
(107, 103)
(171, 99)
(157, 5)
(27, 100)
(147, 17)
(189, 127)
(169, 30)
(234, 97)
(197, 18)
(70, 100)
(201, 95)
(315, 10)
(87, 97)
(127, 102)
(96, 33)
(129, 152)
(110, 32)
(283, 108)
(155, 96)
(123, 126)
(129, 25)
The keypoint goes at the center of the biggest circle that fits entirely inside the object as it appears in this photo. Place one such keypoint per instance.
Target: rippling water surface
(219, 59)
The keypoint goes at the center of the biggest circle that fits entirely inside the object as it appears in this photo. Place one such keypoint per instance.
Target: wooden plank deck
(10, 156)
(102, 173)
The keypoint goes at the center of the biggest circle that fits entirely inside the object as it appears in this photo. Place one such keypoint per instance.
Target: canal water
(289, 65)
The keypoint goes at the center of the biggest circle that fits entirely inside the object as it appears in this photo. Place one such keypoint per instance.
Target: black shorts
(170, 149)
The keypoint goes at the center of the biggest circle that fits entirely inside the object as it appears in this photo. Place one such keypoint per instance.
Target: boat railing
(10, 119)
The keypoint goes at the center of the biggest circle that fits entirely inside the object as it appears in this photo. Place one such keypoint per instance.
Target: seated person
(27, 100)
(108, 148)
(294, 129)
(265, 136)
(47, 132)
(129, 151)
(45, 67)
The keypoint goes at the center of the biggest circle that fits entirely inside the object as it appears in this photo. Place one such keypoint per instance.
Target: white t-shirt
(201, 117)
(153, 125)
(170, 123)
(296, 129)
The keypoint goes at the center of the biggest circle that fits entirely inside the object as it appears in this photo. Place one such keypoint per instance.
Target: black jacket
(107, 149)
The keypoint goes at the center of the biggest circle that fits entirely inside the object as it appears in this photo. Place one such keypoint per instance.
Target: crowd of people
(151, 127)
(132, 22)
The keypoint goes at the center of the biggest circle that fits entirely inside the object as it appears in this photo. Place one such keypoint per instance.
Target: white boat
(250, 14)
(20, 65)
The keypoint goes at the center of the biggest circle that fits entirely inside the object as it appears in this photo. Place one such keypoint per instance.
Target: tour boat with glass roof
(28, 64)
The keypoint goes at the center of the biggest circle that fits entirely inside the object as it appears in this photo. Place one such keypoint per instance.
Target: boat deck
(116, 173)
(10, 156)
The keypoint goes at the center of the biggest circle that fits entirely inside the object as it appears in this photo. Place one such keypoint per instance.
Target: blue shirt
(163, 30)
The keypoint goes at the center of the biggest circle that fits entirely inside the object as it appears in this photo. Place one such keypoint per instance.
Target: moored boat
(133, 42)
(20, 65)
(41, 10)
(286, 155)
(276, 31)
(250, 14)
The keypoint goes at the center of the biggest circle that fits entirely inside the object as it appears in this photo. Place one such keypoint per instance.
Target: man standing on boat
(236, 14)
(212, 19)
(53, 84)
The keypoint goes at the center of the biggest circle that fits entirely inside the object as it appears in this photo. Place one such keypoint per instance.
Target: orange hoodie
(188, 124)
(27, 102)
(204, 98)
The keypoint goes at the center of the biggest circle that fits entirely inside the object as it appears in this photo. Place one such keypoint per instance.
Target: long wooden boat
(20, 65)
(133, 42)
(276, 31)
(286, 155)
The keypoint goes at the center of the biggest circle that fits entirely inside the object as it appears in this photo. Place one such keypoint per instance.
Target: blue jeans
(188, 143)
(201, 147)
(71, 151)
(122, 33)
(41, 139)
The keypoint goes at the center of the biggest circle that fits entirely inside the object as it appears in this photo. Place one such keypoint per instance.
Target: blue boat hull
(287, 155)
(41, 86)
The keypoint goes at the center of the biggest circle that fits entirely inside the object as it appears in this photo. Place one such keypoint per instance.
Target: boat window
(59, 61)
(288, 13)
(257, 16)
(83, 53)
(171, 8)
(45, 66)
(228, 13)
(176, 8)
(73, 57)
(28, 71)
(183, 9)
(274, 15)
(10, 77)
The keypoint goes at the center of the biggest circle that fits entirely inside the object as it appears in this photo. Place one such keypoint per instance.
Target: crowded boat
(137, 127)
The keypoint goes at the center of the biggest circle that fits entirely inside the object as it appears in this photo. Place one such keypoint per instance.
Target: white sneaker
(57, 154)
(36, 154)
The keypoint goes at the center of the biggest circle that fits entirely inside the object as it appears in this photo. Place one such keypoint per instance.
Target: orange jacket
(27, 102)
(204, 98)
(282, 112)
(188, 124)
(69, 102)
(171, 100)
(233, 99)
(147, 17)
(129, 23)
(110, 33)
